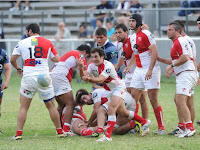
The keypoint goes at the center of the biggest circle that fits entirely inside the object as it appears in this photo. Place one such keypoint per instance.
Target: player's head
(135, 21)
(198, 22)
(97, 56)
(31, 29)
(101, 36)
(121, 32)
(83, 97)
(181, 24)
(174, 30)
(86, 49)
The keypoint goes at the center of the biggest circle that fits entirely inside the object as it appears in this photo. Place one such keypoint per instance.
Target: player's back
(35, 51)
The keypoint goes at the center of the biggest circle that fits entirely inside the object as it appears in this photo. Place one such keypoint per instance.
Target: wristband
(19, 68)
(172, 65)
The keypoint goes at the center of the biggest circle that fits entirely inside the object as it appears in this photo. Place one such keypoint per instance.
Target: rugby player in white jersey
(186, 76)
(61, 75)
(181, 124)
(125, 57)
(103, 71)
(35, 51)
(147, 72)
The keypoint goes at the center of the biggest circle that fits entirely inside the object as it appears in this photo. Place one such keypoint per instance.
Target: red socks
(137, 108)
(59, 131)
(159, 117)
(139, 119)
(109, 130)
(19, 133)
(86, 132)
(189, 125)
(66, 127)
(181, 125)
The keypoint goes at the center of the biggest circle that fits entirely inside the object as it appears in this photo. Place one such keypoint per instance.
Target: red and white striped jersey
(181, 47)
(125, 51)
(107, 70)
(68, 63)
(192, 45)
(140, 44)
(77, 113)
(35, 51)
(100, 95)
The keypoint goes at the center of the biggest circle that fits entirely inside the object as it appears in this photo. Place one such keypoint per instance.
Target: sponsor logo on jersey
(34, 41)
(35, 62)
(81, 56)
(140, 38)
(108, 70)
(94, 95)
(151, 35)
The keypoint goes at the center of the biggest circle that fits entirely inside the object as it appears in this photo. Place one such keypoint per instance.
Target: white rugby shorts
(185, 82)
(29, 86)
(138, 80)
(61, 84)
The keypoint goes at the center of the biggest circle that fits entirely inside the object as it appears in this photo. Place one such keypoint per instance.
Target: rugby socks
(66, 127)
(189, 125)
(137, 108)
(110, 125)
(18, 133)
(100, 129)
(132, 124)
(136, 117)
(59, 131)
(86, 132)
(181, 125)
(159, 117)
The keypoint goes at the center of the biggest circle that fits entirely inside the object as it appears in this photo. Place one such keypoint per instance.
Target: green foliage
(39, 131)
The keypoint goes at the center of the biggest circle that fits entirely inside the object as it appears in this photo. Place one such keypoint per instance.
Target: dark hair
(79, 93)
(101, 31)
(99, 50)
(121, 26)
(82, 25)
(138, 19)
(34, 27)
(84, 47)
(99, 20)
(198, 19)
(180, 23)
(177, 26)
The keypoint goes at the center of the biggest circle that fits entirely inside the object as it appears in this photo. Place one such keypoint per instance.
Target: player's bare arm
(132, 61)
(13, 61)
(56, 58)
(94, 113)
(119, 64)
(154, 57)
(164, 60)
(7, 76)
(99, 79)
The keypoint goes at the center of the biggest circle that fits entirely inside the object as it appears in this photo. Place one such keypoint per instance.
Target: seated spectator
(62, 33)
(123, 5)
(83, 32)
(16, 7)
(2, 44)
(198, 22)
(189, 4)
(104, 5)
(110, 30)
(135, 7)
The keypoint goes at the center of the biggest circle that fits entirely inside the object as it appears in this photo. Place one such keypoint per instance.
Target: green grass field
(39, 131)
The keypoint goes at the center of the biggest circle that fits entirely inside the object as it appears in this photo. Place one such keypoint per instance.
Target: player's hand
(86, 78)
(148, 75)
(145, 27)
(80, 62)
(169, 71)
(20, 72)
(198, 81)
(4, 85)
(126, 70)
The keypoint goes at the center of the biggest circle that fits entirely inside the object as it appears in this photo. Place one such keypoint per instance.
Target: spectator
(198, 22)
(135, 7)
(104, 5)
(83, 32)
(110, 29)
(114, 39)
(16, 7)
(189, 4)
(62, 33)
(2, 44)
(123, 5)
(99, 24)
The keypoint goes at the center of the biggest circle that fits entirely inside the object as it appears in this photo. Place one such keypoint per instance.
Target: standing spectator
(35, 51)
(62, 33)
(16, 7)
(186, 76)
(83, 32)
(104, 5)
(110, 29)
(135, 7)
(147, 72)
(2, 44)
(4, 63)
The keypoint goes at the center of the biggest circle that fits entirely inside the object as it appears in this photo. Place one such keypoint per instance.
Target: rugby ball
(44, 80)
